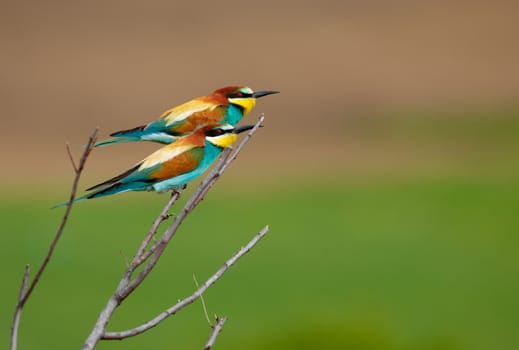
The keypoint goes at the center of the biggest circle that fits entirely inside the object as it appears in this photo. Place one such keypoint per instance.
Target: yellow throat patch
(223, 141)
(247, 103)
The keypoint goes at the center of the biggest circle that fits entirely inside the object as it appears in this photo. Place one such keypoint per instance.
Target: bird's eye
(239, 94)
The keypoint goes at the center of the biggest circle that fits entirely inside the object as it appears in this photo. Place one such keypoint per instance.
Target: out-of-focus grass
(421, 264)
(409, 242)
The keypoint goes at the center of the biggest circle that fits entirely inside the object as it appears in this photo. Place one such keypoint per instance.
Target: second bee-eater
(173, 165)
(224, 106)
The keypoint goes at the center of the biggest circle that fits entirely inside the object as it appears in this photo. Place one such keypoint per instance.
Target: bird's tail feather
(122, 136)
(127, 132)
(115, 140)
(82, 198)
(109, 190)
(115, 179)
(119, 187)
(160, 137)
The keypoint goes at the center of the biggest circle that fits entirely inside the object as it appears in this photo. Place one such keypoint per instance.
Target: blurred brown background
(68, 67)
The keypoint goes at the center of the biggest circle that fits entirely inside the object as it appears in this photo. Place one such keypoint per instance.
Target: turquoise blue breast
(233, 115)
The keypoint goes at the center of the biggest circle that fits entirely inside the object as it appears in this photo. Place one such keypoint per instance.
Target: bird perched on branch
(173, 165)
(224, 106)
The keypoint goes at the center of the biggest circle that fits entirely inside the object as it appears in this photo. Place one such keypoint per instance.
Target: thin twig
(216, 330)
(139, 257)
(84, 157)
(71, 157)
(193, 297)
(25, 293)
(227, 159)
(242, 144)
(203, 303)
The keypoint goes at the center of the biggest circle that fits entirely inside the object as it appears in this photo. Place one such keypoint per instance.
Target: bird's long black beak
(243, 128)
(259, 94)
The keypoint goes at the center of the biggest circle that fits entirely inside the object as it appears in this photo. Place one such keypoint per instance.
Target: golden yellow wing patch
(162, 155)
(187, 109)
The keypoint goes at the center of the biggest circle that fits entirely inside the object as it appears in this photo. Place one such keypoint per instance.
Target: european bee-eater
(224, 106)
(173, 165)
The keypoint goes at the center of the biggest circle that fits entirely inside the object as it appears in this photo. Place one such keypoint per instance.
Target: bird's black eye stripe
(239, 94)
(214, 132)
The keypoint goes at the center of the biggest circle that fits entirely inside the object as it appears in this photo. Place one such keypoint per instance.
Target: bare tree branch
(216, 330)
(193, 297)
(18, 312)
(25, 292)
(226, 160)
(139, 258)
(127, 285)
(195, 199)
(225, 154)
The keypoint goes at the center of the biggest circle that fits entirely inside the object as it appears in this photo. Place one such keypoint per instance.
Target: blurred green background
(387, 171)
